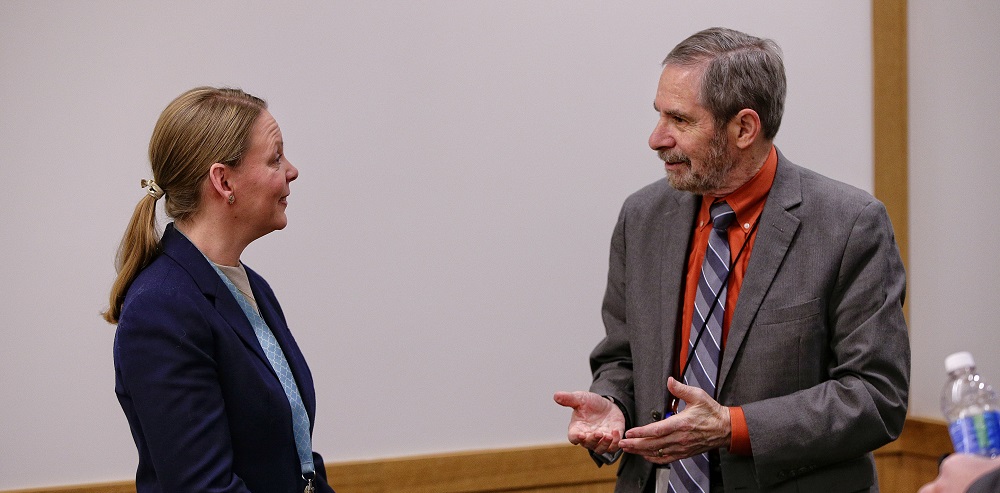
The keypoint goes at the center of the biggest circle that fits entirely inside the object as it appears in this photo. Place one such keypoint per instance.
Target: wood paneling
(912, 460)
(122, 487)
(890, 118)
(538, 469)
(903, 466)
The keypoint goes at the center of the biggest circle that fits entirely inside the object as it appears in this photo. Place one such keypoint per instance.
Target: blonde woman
(215, 389)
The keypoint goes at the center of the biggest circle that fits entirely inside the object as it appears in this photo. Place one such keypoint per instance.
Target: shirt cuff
(606, 458)
(740, 442)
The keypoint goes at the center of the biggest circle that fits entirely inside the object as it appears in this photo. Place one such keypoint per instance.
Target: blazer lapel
(178, 247)
(293, 355)
(673, 262)
(230, 310)
(774, 235)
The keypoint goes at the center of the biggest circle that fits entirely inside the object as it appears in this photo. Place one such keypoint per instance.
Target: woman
(201, 339)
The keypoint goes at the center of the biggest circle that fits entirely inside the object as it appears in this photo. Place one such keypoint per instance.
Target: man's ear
(218, 176)
(745, 128)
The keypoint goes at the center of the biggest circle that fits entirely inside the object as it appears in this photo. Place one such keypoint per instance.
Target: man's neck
(751, 160)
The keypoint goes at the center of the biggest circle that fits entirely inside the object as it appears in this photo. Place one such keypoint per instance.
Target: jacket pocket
(789, 314)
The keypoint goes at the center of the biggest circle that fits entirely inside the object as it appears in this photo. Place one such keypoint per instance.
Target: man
(800, 360)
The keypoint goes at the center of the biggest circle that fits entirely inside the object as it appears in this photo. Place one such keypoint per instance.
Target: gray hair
(741, 71)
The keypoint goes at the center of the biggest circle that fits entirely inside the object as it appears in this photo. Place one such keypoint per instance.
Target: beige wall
(462, 165)
(954, 178)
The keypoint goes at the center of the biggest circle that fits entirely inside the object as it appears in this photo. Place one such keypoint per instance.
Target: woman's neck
(214, 241)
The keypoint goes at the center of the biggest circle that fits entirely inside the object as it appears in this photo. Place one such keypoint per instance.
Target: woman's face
(260, 182)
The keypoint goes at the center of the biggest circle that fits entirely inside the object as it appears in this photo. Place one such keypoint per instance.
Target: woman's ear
(218, 175)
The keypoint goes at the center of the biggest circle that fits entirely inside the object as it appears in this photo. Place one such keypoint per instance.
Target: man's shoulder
(655, 193)
(816, 187)
(822, 204)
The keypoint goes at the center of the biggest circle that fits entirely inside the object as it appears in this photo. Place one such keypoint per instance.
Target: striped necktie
(692, 474)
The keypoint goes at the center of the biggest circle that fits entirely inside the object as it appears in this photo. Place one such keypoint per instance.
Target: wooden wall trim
(911, 460)
(890, 103)
(522, 469)
(926, 438)
(116, 487)
(553, 468)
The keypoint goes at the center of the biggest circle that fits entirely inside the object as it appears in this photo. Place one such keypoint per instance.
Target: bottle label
(977, 434)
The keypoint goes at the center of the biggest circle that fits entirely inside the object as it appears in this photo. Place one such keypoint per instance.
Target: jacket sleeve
(611, 360)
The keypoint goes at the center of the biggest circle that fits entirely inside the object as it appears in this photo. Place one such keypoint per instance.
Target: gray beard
(712, 177)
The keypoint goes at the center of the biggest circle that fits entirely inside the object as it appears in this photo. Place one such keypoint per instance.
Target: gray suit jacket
(817, 354)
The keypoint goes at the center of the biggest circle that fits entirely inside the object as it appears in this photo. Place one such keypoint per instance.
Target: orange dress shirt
(748, 202)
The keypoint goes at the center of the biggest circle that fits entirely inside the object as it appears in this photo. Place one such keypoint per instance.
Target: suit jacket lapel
(178, 247)
(673, 262)
(293, 355)
(774, 235)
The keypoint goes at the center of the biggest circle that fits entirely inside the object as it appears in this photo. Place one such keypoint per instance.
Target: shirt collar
(748, 200)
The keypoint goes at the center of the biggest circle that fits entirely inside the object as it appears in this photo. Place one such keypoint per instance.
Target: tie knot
(722, 215)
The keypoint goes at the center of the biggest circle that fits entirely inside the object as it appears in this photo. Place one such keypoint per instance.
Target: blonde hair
(203, 126)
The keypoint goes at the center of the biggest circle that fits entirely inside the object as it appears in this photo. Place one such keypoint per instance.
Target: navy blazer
(206, 410)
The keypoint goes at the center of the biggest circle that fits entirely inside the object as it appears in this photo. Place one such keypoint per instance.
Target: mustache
(673, 157)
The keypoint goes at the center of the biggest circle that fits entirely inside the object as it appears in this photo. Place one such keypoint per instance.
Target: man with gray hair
(755, 332)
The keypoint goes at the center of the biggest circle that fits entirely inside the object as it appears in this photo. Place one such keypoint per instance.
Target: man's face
(695, 153)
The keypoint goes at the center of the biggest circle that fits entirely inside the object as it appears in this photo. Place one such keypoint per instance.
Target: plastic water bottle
(971, 408)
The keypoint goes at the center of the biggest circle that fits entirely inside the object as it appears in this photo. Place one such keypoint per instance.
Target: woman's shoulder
(162, 286)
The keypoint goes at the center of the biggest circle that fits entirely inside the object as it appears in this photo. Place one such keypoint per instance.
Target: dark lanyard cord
(671, 401)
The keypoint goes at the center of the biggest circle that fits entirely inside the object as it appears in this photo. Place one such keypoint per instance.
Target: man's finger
(681, 391)
(568, 399)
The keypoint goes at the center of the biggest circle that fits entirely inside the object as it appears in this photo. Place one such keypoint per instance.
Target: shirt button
(656, 415)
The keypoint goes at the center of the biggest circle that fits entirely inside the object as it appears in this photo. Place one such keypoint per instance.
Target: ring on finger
(659, 452)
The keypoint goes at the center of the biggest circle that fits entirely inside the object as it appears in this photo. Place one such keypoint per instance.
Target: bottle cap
(962, 359)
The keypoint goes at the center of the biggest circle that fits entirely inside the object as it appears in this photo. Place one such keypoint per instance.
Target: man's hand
(596, 423)
(958, 472)
(703, 425)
